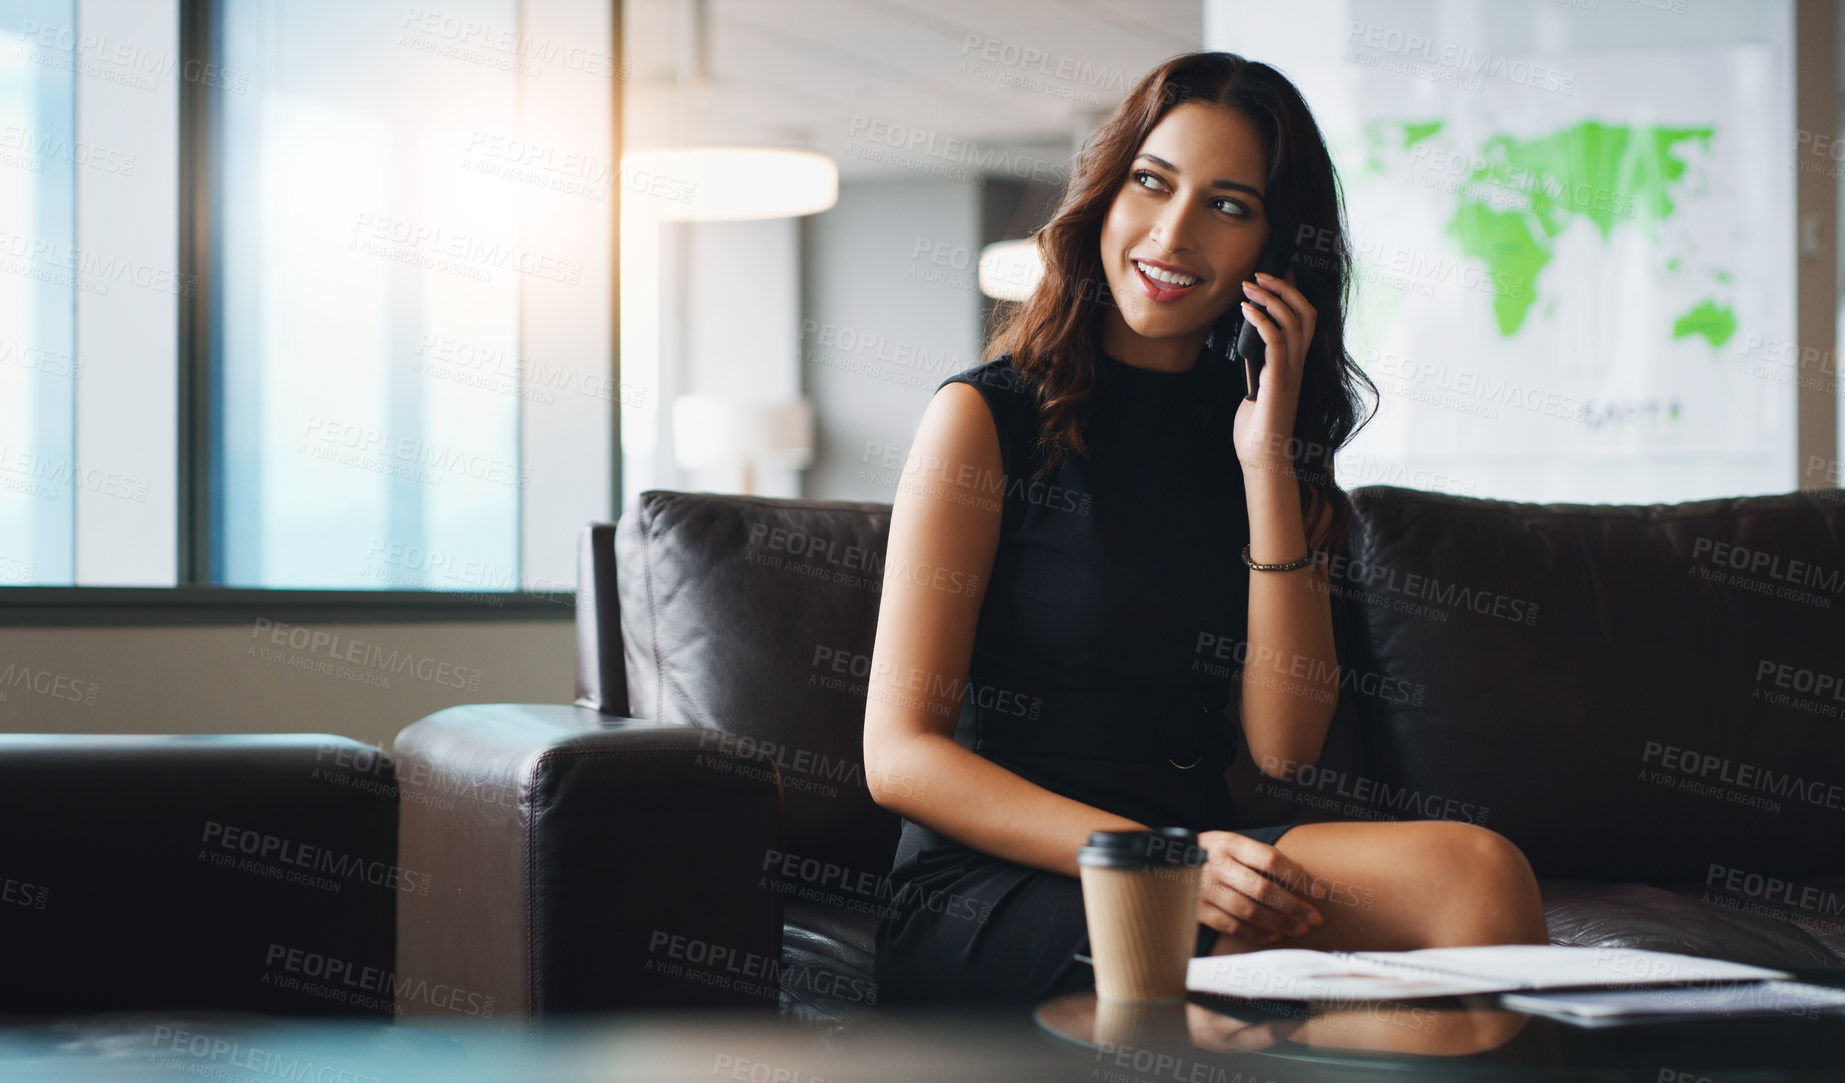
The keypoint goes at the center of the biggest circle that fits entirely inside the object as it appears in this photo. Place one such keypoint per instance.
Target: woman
(1092, 483)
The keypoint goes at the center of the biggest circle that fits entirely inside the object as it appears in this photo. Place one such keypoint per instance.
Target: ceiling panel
(957, 84)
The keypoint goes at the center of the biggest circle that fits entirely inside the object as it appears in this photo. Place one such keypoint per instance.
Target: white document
(1296, 974)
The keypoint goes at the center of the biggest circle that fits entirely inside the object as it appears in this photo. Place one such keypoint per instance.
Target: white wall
(127, 401)
(892, 308)
(709, 308)
(566, 333)
(1735, 435)
(742, 326)
(238, 679)
(1319, 30)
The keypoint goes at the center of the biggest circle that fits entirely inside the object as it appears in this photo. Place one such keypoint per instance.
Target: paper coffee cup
(1140, 902)
(1129, 1026)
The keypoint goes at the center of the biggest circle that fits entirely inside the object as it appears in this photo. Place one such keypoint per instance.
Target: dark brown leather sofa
(179, 877)
(1647, 699)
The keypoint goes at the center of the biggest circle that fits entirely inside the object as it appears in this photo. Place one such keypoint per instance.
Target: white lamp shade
(1009, 270)
(709, 430)
(714, 184)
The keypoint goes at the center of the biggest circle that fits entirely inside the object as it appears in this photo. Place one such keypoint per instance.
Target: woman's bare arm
(1291, 671)
(1291, 676)
(944, 533)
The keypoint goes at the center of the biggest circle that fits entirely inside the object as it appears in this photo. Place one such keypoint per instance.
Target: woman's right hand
(1253, 891)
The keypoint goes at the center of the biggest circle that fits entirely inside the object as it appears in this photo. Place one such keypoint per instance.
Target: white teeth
(1167, 277)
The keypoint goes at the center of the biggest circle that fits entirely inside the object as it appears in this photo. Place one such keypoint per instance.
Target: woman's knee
(1495, 855)
(1495, 890)
(1471, 852)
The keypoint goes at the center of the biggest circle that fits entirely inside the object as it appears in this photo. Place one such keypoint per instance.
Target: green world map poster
(1574, 289)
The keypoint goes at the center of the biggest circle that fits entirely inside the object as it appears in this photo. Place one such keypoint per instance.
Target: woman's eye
(1230, 206)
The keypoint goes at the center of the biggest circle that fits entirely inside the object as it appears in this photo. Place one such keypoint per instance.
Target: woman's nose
(1173, 228)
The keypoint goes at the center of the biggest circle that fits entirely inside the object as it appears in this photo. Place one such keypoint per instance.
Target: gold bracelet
(1288, 567)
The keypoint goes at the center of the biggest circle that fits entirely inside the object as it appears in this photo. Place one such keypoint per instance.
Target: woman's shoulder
(999, 380)
(1012, 399)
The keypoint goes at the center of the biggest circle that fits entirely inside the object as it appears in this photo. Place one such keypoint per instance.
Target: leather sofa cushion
(1680, 918)
(827, 964)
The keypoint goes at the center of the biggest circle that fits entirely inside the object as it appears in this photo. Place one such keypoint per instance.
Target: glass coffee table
(1211, 1039)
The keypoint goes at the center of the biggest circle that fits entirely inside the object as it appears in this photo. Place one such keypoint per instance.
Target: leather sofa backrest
(1631, 692)
(754, 618)
(602, 676)
(1627, 692)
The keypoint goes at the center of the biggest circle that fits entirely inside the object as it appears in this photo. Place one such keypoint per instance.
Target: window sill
(140, 606)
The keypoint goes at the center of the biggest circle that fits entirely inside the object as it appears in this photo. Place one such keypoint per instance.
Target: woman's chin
(1156, 328)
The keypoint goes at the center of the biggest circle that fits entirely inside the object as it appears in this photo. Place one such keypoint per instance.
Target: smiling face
(1190, 212)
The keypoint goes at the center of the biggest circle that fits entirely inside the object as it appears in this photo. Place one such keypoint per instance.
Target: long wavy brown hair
(1055, 335)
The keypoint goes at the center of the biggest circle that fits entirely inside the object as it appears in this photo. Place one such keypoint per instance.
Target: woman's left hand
(1265, 426)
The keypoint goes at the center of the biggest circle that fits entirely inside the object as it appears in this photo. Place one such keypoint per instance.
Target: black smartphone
(1249, 345)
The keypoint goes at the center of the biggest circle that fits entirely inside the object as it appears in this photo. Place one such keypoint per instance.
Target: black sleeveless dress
(1113, 619)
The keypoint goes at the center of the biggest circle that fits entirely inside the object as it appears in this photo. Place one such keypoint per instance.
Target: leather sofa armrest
(212, 873)
(585, 862)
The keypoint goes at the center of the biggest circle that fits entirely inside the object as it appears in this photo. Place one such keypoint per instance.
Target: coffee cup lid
(1161, 846)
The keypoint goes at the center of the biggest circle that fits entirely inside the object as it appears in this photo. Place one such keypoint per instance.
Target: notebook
(1297, 974)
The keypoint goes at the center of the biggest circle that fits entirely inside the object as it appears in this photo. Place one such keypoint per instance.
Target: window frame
(196, 598)
(191, 603)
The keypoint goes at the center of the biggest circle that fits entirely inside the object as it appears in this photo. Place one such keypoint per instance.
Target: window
(306, 295)
(369, 304)
(38, 369)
